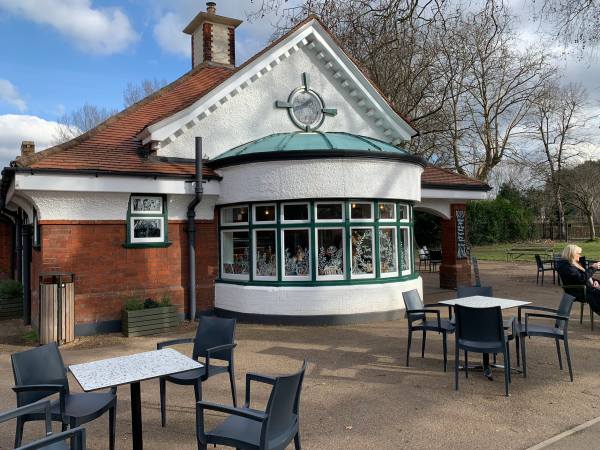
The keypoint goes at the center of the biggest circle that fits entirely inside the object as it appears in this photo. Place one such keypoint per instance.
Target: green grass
(497, 252)
(31, 336)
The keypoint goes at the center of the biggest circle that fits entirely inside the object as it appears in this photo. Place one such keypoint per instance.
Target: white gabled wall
(320, 178)
(251, 113)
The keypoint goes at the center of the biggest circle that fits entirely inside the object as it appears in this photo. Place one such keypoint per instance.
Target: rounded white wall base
(313, 300)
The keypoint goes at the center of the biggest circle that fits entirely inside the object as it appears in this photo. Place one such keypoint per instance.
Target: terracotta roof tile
(436, 176)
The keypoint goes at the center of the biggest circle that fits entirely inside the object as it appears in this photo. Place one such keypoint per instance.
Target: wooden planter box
(145, 322)
(11, 308)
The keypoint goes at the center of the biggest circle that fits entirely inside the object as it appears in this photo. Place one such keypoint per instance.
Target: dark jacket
(571, 275)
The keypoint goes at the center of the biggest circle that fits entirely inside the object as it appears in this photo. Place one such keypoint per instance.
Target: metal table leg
(136, 416)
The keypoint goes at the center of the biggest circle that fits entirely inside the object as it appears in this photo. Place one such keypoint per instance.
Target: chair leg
(591, 317)
(518, 348)
(232, 383)
(456, 356)
(466, 364)
(445, 351)
(423, 344)
(568, 358)
(198, 390)
(524, 356)
(507, 361)
(163, 402)
(537, 280)
(581, 314)
(408, 345)
(112, 427)
(19, 432)
(560, 366)
(495, 358)
(506, 371)
(297, 441)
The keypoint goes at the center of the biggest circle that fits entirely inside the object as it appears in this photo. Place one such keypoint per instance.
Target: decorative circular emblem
(307, 108)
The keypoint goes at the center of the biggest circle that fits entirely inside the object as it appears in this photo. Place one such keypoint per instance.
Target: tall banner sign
(461, 239)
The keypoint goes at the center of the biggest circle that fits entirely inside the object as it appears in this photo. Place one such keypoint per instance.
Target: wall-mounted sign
(461, 238)
(306, 107)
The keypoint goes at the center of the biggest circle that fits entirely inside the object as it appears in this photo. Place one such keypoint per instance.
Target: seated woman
(573, 274)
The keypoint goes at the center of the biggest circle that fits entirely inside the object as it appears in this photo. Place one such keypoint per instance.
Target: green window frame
(297, 253)
(147, 221)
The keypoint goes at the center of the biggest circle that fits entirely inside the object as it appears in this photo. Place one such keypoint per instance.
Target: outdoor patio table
(480, 301)
(132, 369)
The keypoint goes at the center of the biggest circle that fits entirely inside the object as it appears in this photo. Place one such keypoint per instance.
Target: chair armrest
(427, 311)
(164, 344)
(536, 308)
(39, 387)
(42, 405)
(442, 305)
(252, 415)
(75, 434)
(250, 376)
(544, 316)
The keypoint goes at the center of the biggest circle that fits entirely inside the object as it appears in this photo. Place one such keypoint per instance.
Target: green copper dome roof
(302, 144)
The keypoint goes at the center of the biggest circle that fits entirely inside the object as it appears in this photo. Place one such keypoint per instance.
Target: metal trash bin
(57, 307)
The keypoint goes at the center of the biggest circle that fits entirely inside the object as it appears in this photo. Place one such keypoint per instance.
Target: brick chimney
(213, 37)
(27, 148)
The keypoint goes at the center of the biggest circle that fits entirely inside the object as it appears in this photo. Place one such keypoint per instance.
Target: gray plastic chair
(214, 339)
(39, 373)
(480, 330)
(416, 314)
(557, 331)
(252, 429)
(51, 441)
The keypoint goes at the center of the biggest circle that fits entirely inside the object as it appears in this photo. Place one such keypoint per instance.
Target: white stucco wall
(107, 206)
(220, 43)
(251, 113)
(198, 49)
(320, 178)
(314, 301)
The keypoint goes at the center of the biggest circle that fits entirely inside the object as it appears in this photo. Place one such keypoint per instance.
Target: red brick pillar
(456, 267)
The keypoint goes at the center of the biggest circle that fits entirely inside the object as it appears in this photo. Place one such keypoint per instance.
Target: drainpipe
(191, 229)
(26, 270)
(15, 255)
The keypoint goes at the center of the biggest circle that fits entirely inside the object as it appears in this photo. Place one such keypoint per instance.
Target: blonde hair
(569, 252)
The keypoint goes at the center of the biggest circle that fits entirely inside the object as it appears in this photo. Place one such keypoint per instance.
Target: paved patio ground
(358, 394)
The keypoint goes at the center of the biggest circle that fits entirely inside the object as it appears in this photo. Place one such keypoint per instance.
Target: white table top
(131, 368)
(480, 301)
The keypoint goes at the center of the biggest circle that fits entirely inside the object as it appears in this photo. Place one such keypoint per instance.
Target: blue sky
(57, 55)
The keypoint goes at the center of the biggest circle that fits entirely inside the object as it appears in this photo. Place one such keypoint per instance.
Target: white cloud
(103, 31)
(169, 35)
(15, 128)
(9, 94)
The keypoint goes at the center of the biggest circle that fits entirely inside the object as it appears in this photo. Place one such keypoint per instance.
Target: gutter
(191, 229)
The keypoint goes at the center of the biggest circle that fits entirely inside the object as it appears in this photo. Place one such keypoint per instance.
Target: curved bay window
(316, 242)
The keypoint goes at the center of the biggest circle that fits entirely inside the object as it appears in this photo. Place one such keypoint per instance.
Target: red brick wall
(453, 272)
(107, 273)
(6, 246)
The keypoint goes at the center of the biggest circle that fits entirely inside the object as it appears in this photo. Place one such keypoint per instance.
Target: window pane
(295, 212)
(386, 211)
(235, 214)
(404, 249)
(329, 211)
(331, 252)
(235, 252)
(146, 204)
(402, 212)
(264, 213)
(387, 250)
(147, 228)
(362, 251)
(266, 260)
(360, 211)
(297, 253)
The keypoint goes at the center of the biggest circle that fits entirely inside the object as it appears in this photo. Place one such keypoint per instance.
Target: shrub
(165, 300)
(150, 303)
(11, 289)
(134, 304)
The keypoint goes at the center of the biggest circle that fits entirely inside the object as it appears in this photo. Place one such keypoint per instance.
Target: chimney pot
(27, 148)
(211, 7)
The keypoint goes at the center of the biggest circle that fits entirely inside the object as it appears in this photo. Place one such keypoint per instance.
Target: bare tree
(557, 116)
(79, 121)
(133, 93)
(501, 87)
(582, 190)
(574, 22)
